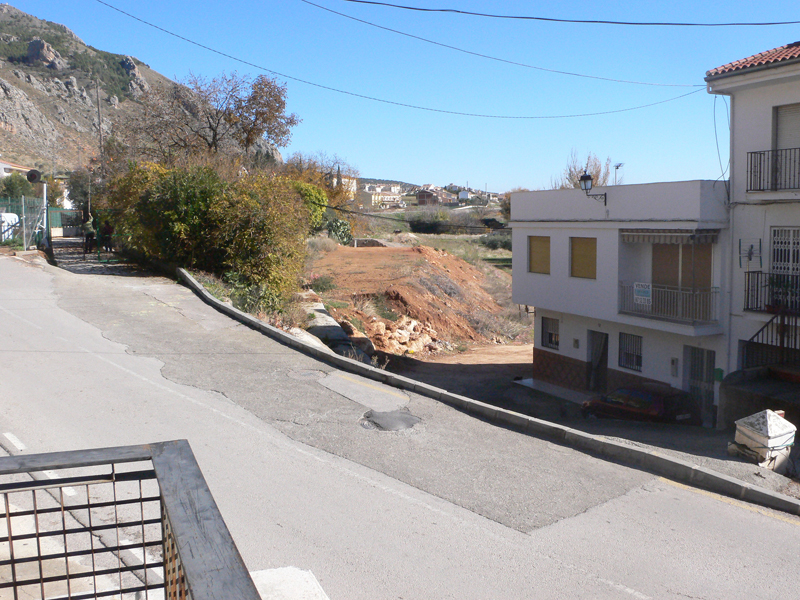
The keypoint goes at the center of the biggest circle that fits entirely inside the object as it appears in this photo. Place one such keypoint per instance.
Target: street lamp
(586, 186)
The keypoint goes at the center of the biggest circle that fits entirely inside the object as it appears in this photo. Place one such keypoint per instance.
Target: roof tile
(787, 52)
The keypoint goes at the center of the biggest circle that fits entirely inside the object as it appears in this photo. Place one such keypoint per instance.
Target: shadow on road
(495, 384)
(69, 255)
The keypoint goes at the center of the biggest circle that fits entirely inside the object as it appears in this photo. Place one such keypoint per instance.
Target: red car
(646, 402)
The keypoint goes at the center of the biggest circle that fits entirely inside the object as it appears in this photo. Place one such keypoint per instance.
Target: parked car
(645, 402)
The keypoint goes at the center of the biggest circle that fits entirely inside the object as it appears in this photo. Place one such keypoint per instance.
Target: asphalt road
(451, 508)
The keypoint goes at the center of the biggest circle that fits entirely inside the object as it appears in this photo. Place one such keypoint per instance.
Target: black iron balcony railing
(130, 522)
(771, 292)
(669, 303)
(773, 170)
(777, 342)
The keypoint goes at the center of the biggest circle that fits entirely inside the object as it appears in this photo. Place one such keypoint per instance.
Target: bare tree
(262, 114)
(571, 177)
(226, 114)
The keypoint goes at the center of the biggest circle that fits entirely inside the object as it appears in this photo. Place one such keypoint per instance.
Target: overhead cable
(503, 60)
(383, 100)
(581, 21)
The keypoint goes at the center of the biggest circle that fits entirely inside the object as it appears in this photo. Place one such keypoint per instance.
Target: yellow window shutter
(583, 257)
(539, 254)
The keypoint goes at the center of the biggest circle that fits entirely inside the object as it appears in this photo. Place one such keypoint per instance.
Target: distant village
(373, 195)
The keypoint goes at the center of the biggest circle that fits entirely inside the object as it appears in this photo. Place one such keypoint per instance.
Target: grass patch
(358, 324)
(322, 284)
(383, 309)
(329, 304)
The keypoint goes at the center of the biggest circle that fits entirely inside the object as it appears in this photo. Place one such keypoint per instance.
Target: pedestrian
(88, 234)
(106, 231)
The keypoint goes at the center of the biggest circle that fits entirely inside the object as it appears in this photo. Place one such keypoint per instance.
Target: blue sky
(668, 142)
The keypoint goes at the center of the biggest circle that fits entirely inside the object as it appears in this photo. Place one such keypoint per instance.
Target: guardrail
(134, 522)
(773, 170)
(672, 303)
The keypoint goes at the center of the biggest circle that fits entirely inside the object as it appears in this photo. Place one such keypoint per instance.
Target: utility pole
(99, 123)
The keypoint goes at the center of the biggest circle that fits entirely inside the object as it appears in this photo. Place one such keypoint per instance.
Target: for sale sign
(643, 293)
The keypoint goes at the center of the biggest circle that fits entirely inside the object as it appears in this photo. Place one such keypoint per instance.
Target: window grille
(630, 351)
(785, 250)
(550, 333)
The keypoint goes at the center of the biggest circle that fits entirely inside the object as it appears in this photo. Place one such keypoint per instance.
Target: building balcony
(667, 303)
(773, 170)
(772, 292)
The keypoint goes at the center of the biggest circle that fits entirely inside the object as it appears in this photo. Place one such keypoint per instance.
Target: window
(550, 333)
(539, 254)
(583, 257)
(787, 125)
(785, 250)
(630, 351)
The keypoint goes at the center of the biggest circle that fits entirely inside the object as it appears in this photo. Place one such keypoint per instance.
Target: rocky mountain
(56, 93)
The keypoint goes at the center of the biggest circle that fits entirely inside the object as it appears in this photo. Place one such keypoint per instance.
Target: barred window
(549, 333)
(630, 351)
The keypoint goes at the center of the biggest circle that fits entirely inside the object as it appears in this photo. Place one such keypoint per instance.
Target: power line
(383, 100)
(581, 21)
(503, 60)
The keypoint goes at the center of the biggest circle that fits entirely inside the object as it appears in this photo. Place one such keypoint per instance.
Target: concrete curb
(640, 458)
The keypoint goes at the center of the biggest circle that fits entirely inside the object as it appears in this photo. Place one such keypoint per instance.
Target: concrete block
(717, 482)
(430, 391)
(669, 467)
(511, 419)
(771, 499)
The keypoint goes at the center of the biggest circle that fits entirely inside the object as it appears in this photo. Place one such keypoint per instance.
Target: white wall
(558, 290)
(754, 96)
(658, 347)
(676, 202)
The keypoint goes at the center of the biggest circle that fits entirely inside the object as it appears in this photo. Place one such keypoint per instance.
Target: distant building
(7, 168)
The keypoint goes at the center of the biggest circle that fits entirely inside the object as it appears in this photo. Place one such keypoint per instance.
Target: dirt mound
(406, 299)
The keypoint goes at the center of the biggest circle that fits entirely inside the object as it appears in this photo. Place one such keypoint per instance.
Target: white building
(675, 282)
(628, 291)
(7, 168)
(764, 92)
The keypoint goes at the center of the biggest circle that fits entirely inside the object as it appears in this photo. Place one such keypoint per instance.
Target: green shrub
(322, 284)
(252, 230)
(315, 200)
(339, 230)
(494, 241)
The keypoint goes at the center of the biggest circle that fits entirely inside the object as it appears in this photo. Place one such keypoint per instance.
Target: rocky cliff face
(52, 107)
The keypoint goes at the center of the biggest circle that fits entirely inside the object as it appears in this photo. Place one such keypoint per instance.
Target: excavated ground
(410, 300)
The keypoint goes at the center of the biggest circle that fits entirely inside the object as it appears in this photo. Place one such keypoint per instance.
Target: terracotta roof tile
(787, 52)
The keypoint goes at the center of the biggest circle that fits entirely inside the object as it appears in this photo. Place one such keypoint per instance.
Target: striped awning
(669, 236)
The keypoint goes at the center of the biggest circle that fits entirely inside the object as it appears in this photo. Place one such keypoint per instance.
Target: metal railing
(771, 292)
(134, 522)
(773, 170)
(777, 342)
(672, 303)
(32, 219)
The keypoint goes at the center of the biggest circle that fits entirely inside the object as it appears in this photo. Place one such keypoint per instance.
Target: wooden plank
(212, 564)
(25, 463)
